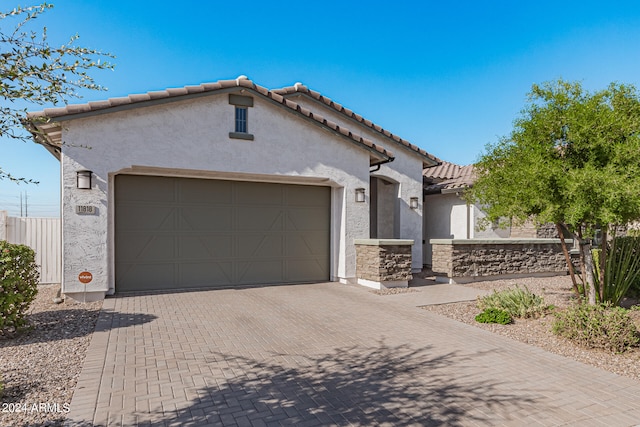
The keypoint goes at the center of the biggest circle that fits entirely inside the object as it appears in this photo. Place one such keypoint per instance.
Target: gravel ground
(558, 292)
(40, 367)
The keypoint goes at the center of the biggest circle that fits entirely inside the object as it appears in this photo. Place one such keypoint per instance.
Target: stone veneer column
(383, 263)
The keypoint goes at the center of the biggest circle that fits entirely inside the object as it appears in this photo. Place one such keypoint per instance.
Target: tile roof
(44, 124)
(448, 177)
(300, 89)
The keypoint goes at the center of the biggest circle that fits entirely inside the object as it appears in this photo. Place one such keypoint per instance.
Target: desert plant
(516, 301)
(633, 232)
(621, 270)
(494, 315)
(18, 284)
(597, 326)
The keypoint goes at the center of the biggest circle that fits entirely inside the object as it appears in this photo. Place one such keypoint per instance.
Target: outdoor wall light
(83, 179)
(413, 203)
(359, 195)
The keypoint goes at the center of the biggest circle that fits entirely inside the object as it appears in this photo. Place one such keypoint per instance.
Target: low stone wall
(383, 263)
(463, 260)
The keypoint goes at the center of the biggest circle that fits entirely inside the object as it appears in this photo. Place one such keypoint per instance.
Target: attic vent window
(241, 119)
(242, 105)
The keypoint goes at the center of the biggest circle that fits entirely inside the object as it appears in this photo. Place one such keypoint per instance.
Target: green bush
(18, 284)
(516, 301)
(494, 315)
(597, 326)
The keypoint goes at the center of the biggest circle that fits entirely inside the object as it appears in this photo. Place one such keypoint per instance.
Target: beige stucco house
(447, 215)
(225, 184)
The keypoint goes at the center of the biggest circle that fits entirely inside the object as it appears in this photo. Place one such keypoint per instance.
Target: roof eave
(53, 141)
(429, 160)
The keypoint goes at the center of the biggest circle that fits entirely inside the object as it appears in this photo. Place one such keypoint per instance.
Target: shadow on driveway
(351, 386)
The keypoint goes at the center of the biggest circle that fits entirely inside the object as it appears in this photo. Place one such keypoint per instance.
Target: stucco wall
(439, 221)
(187, 138)
(447, 216)
(490, 231)
(387, 225)
(406, 170)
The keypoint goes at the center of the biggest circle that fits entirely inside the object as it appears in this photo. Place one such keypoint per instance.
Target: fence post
(3, 225)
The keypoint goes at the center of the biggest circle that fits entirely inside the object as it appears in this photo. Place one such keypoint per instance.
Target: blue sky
(448, 76)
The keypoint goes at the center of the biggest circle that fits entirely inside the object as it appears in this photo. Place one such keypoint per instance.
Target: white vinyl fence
(43, 235)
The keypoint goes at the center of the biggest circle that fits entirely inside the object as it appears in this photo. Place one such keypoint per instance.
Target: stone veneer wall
(475, 259)
(383, 263)
(530, 231)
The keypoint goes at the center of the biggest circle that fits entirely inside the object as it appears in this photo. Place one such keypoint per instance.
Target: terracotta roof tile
(445, 170)
(112, 103)
(448, 177)
(300, 89)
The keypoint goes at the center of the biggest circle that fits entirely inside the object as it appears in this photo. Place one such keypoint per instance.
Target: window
(241, 119)
(242, 104)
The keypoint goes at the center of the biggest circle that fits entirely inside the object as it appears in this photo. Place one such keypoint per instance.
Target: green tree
(33, 71)
(572, 159)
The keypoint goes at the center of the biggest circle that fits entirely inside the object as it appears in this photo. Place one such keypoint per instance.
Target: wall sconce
(359, 195)
(83, 179)
(413, 203)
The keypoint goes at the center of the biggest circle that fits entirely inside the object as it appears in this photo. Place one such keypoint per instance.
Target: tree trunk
(567, 257)
(603, 260)
(585, 247)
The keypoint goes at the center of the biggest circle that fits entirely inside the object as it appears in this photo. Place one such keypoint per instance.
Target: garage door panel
(145, 188)
(135, 277)
(303, 195)
(307, 270)
(307, 244)
(214, 233)
(145, 247)
(206, 218)
(261, 271)
(263, 218)
(206, 246)
(258, 194)
(204, 192)
(259, 246)
(206, 274)
(136, 217)
(307, 219)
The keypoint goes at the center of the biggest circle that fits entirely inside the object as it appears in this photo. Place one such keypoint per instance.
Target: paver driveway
(326, 354)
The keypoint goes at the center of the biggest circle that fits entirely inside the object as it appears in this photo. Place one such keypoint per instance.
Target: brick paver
(326, 354)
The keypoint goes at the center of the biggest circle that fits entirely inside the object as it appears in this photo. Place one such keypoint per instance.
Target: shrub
(597, 326)
(516, 301)
(494, 315)
(18, 284)
(622, 269)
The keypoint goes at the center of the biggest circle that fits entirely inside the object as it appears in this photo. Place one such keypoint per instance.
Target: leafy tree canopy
(33, 71)
(572, 158)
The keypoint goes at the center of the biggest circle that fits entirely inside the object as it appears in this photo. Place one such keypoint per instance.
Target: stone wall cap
(384, 242)
(497, 241)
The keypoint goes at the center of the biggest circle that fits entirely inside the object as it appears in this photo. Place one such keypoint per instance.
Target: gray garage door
(173, 233)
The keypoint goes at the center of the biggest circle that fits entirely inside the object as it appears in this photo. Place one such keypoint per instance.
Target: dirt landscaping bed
(40, 367)
(556, 291)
